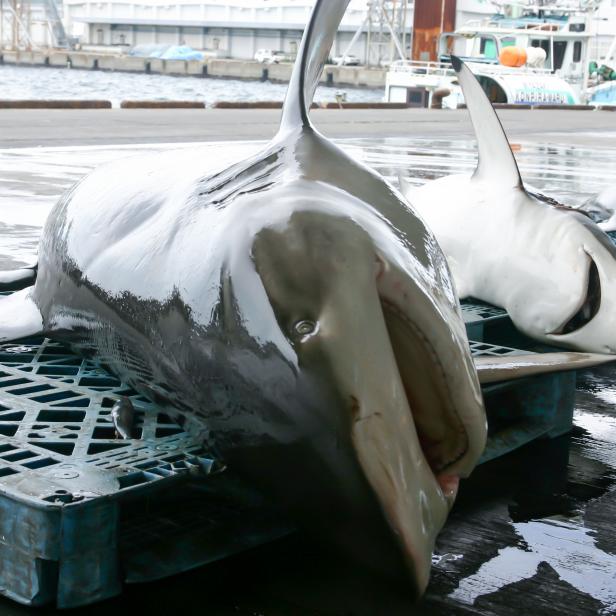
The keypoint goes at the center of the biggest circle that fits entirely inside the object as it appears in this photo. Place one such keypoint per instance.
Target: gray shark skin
(550, 266)
(294, 308)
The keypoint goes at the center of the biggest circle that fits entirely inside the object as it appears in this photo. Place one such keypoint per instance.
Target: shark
(549, 265)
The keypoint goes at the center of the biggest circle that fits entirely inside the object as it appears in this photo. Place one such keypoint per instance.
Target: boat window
(416, 97)
(578, 27)
(559, 53)
(560, 47)
(488, 48)
(577, 51)
(543, 43)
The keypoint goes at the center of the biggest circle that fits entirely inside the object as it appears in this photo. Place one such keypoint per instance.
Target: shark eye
(591, 305)
(305, 327)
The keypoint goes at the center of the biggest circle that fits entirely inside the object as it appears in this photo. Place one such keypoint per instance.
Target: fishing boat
(525, 54)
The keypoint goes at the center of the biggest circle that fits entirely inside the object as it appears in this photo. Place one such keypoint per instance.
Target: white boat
(602, 86)
(603, 94)
(554, 40)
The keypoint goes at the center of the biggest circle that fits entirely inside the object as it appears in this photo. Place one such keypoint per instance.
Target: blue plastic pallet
(524, 410)
(477, 315)
(80, 511)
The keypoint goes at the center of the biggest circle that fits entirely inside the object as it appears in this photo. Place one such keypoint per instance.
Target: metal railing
(444, 69)
(422, 68)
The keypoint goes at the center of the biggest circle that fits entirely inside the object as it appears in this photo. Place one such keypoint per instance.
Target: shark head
(569, 299)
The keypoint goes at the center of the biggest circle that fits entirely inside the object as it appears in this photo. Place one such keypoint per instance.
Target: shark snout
(396, 416)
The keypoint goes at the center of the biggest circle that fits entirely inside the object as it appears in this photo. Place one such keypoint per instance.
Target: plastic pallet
(82, 512)
(68, 486)
(524, 410)
(477, 315)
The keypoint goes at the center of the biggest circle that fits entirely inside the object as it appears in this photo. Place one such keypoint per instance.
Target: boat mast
(385, 24)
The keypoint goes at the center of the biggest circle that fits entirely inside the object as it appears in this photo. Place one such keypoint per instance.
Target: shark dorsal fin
(316, 44)
(496, 160)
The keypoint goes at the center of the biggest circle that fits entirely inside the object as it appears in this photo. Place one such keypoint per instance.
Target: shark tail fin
(19, 316)
(496, 159)
(499, 369)
(316, 44)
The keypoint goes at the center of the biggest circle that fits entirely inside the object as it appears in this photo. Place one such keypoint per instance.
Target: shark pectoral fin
(497, 369)
(13, 280)
(19, 316)
(496, 160)
(316, 44)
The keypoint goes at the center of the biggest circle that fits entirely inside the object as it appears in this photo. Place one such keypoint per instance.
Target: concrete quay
(209, 67)
(62, 127)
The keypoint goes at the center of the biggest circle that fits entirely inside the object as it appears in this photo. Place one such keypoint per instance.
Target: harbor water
(25, 82)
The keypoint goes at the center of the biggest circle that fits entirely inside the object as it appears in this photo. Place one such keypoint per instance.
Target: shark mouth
(441, 433)
(590, 305)
(415, 447)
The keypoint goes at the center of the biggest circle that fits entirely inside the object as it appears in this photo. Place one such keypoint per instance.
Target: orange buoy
(512, 56)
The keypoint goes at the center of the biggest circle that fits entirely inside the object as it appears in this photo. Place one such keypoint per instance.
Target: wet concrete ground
(531, 532)
(23, 128)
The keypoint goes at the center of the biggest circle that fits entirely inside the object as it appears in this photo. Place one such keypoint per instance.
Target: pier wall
(210, 67)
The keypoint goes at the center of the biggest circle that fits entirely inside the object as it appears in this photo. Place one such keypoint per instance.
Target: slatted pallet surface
(479, 316)
(81, 511)
(68, 486)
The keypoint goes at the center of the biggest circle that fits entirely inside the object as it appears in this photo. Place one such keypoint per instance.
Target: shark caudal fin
(19, 316)
(498, 369)
(496, 160)
(316, 44)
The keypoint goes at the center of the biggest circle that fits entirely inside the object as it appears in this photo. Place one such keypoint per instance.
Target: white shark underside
(549, 266)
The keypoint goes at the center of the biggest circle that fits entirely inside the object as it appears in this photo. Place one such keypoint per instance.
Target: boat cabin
(534, 59)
